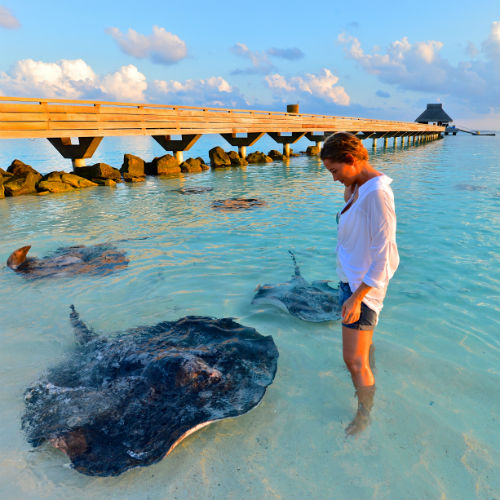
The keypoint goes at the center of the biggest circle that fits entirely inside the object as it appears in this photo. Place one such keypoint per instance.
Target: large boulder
(312, 150)
(236, 159)
(204, 166)
(275, 155)
(163, 165)
(99, 172)
(2, 191)
(191, 165)
(62, 182)
(258, 157)
(132, 167)
(17, 167)
(18, 185)
(219, 158)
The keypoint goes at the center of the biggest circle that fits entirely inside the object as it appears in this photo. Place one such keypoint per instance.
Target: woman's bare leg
(357, 345)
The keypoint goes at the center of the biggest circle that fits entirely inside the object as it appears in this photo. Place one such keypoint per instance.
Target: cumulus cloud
(161, 46)
(126, 84)
(71, 79)
(420, 67)
(323, 86)
(213, 91)
(7, 19)
(66, 79)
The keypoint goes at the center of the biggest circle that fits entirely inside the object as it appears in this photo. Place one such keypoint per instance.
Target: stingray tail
(82, 333)
(297, 270)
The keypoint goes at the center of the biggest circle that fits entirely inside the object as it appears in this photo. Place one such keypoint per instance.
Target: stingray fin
(82, 333)
(17, 257)
(297, 270)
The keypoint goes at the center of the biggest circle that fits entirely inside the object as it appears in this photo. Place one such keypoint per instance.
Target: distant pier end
(87, 122)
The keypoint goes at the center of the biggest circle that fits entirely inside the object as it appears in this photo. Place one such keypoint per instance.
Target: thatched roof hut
(434, 114)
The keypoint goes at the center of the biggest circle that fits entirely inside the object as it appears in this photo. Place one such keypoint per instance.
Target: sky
(384, 59)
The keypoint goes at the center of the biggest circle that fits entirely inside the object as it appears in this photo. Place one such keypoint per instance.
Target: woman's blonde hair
(338, 145)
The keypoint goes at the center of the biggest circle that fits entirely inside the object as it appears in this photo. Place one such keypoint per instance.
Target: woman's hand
(351, 310)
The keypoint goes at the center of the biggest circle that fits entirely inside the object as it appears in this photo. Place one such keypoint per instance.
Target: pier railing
(61, 119)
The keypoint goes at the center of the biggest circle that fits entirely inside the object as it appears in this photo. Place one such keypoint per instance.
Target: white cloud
(71, 79)
(7, 19)
(323, 86)
(213, 91)
(420, 67)
(126, 84)
(161, 46)
(66, 79)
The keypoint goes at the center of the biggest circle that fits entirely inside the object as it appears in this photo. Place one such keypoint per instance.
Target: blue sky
(383, 59)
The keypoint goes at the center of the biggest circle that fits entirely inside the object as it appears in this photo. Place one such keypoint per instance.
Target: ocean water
(435, 429)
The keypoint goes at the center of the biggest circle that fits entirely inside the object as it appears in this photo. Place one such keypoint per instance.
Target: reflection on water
(435, 429)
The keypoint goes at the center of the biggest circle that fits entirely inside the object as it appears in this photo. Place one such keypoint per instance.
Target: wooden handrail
(29, 117)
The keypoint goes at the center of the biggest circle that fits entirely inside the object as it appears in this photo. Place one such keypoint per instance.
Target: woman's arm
(351, 309)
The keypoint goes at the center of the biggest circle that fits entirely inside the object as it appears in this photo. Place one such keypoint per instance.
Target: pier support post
(177, 146)
(374, 143)
(286, 140)
(317, 138)
(76, 152)
(386, 142)
(243, 142)
(395, 144)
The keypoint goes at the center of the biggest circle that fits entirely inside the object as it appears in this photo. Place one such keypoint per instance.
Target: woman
(367, 258)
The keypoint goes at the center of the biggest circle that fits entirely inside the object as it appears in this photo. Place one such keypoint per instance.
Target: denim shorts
(368, 318)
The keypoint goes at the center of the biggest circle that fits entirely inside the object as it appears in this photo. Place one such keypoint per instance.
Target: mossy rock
(258, 157)
(219, 158)
(275, 155)
(105, 182)
(163, 165)
(130, 178)
(2, 191)
(236, 159)
(312, 150)
(17, 167)
(18, 185)
(54, 187)
(191, 165)
(133, 166)
(99, 171)
(204, 166)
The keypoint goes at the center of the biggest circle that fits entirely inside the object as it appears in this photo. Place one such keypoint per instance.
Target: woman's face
(341, 172)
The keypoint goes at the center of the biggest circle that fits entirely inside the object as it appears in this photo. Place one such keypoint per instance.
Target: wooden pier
(87, 122)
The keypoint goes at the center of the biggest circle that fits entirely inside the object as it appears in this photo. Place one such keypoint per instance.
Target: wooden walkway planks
(51, 118)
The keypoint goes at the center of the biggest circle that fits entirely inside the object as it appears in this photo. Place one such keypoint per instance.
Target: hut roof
(434, 113)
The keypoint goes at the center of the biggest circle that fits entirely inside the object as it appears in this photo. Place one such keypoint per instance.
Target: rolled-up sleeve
(383, 254)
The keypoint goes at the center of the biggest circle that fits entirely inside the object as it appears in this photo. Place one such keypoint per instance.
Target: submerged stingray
(237, 204)
(128, 400)
(95, 259)
(194, 190)
(314, 302)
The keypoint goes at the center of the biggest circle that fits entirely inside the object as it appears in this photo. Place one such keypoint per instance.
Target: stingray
(314, 302)
(470, 187)
(237, 204)
(101, 259)
(128, 399)
(194, 190)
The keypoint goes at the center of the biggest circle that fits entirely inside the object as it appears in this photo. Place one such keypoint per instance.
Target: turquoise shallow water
(435, 430)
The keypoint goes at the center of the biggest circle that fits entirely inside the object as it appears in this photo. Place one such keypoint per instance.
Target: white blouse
(366, 244)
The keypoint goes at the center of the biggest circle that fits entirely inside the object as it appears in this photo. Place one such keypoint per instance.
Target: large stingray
(103, 258)
(314, 302)
(128, 400)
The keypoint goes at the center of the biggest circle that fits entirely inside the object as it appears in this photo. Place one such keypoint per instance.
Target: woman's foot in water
(365, 403)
